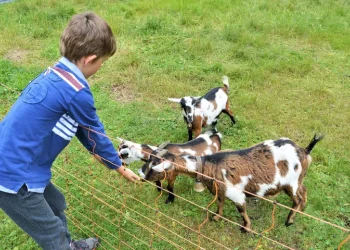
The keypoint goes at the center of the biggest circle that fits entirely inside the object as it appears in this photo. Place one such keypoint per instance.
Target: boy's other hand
(128, 174)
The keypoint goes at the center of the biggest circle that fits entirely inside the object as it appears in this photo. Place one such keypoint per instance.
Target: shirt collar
(73, 68)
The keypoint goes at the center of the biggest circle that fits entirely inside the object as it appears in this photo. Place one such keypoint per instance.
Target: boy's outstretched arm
(128, 174)
(92, 135)
(125, 172)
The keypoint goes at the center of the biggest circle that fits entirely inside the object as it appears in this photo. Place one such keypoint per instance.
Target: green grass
(288, 65)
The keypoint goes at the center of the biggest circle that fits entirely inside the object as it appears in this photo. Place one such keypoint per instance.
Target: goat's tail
(313, 142)
(226, 84)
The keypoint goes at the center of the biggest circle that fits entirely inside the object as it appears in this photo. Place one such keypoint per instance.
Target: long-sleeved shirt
(51, 110)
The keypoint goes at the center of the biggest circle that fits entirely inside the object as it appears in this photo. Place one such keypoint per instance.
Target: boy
(54, 107)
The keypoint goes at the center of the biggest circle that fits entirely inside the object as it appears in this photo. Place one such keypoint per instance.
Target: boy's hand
(128, 174)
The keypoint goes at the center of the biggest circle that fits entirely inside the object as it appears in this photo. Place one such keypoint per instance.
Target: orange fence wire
(205, 209)
(113, 208)
(154, 232)
(207, 217)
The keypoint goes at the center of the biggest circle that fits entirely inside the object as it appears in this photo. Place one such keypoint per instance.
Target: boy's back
(38, 126)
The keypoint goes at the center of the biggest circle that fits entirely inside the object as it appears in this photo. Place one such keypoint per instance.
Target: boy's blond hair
(87, 34)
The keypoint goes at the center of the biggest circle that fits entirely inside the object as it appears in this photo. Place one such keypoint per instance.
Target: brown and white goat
(202, 111)
(205, 144)
(264, 169)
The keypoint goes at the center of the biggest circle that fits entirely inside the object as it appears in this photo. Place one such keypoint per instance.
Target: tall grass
(288, 65)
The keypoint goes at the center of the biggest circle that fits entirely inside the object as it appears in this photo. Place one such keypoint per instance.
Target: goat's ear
(178, 100)
(120, 140)
(163, 166)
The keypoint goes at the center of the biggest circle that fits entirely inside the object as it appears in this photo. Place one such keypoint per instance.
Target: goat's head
(159, 163)
(129, 151)
(187, 105)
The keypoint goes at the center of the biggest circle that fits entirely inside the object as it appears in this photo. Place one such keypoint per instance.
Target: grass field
(288, 63)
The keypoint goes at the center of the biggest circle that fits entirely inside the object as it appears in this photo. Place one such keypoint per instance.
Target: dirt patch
(123, 94)
(17, 55)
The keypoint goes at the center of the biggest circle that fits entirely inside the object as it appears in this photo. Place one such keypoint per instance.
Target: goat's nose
(124, 155)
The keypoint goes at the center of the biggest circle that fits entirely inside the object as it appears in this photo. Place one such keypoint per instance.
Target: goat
(130, 151)
(205, 144)
(202, 111)
(264, 169)
(202, 145)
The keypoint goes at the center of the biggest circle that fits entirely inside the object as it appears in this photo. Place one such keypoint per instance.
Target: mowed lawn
(288, 64)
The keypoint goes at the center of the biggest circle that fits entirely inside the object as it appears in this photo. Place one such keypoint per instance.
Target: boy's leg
(34, 215)
(57, 202)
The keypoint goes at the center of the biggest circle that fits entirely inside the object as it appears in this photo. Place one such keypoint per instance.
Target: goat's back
(200, 146)
(263, 168)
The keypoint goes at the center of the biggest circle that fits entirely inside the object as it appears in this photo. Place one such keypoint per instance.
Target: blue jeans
(39, 215)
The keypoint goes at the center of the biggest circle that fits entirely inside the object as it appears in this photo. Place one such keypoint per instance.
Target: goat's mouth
(189, 121)
(141, 174)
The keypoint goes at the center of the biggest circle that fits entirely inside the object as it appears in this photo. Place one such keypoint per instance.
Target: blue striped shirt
(43, 121)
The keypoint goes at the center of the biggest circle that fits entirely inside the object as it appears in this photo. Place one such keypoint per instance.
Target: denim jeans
(39, 215)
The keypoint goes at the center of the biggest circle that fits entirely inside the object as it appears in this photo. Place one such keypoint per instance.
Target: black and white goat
(264, 169)
(202, 111)
(205, 144)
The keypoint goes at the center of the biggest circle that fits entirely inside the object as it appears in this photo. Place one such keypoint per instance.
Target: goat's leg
(197, 132)
(302, 195)
(220, 202)
(297, 203)
(159, 185)
(228, 111)
(197, 126)
(242, 209)
(189, 131)
(170, 188)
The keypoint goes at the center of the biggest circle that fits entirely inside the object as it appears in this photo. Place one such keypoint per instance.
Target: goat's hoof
(245, 230)
(169, 201)
(215, 218)
(288, 223)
